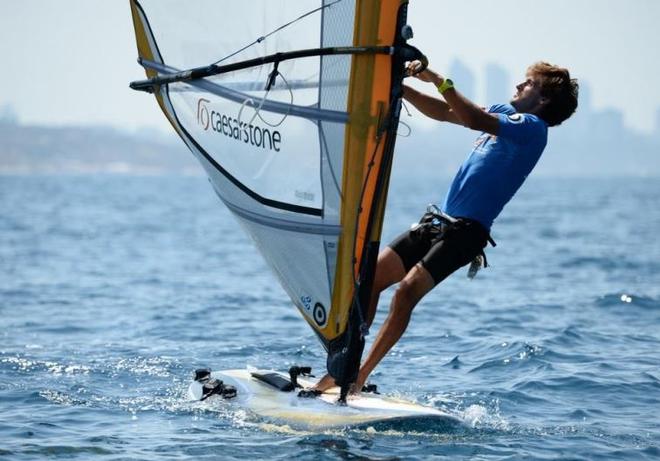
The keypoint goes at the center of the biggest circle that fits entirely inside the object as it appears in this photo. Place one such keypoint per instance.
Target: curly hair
(561, 90)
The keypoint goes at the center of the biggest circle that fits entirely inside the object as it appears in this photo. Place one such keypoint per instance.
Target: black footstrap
(217, 387)
(202, 374)
(296, 371)
(309, 393)
(370, 388)
(313, 393)
(280, 382)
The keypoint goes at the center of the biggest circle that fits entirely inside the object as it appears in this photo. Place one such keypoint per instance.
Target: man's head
(549, 92)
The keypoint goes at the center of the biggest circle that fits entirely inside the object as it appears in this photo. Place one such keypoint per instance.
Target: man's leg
(389, 270)
(455, 249)
(413, 287)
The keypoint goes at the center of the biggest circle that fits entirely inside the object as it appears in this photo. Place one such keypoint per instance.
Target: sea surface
(114, 288)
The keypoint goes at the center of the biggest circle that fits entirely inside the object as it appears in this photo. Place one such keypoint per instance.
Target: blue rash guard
(497, 166)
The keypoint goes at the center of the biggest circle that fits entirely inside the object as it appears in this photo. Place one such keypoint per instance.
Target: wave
(628, 300)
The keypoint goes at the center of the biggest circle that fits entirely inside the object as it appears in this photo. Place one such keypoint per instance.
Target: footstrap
(217, 387)
(309, 393)
(370, 388)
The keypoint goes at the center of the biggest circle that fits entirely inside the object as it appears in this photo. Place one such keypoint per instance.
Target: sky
(69, 62)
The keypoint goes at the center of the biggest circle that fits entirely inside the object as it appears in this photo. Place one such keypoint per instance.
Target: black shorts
(440, 248)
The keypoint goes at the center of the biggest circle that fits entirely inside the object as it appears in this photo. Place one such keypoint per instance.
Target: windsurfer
(512, 139)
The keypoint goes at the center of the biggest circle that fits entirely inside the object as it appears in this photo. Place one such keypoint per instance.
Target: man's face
(528, 95)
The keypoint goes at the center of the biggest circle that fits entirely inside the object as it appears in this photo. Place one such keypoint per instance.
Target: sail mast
(383, 96)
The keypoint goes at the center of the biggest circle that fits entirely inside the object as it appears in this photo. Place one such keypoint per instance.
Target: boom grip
(410, 53)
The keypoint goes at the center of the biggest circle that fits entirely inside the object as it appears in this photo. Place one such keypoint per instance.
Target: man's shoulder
(524, 118)
(502, 109)
(514, 116)
(523, 128)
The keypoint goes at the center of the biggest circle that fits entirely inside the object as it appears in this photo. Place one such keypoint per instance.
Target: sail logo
(203, 118)
(237, 130)
(320, 316)
(318, 312)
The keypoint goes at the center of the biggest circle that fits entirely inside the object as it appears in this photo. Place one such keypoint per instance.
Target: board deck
(266, 401)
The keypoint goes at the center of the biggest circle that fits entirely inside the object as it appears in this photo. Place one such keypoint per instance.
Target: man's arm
(463, 111)
(431, 107)
(471, 115)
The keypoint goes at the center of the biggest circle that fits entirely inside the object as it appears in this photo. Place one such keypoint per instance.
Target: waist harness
(436, 222)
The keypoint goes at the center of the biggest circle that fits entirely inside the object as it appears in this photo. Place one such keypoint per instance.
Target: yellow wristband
(445, 85)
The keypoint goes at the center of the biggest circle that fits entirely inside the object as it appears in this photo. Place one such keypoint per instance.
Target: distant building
(498, 85)
(581, 124)
(608, 124)
(463, 78)
(8, 114)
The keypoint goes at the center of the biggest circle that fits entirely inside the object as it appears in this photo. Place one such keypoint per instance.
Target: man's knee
(412, 288)
(405, 296)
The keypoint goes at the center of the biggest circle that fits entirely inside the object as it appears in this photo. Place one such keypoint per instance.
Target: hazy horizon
(74, 59)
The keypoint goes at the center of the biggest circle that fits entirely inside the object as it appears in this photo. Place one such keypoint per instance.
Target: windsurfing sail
(291, 108)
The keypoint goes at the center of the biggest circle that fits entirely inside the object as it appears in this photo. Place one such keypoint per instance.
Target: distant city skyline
(593, 142)
(71, 60)
(493, 85)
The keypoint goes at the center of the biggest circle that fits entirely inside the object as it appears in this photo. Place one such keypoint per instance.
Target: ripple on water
(628, 300)
(26, 365)
(519, 355)
(115, 295)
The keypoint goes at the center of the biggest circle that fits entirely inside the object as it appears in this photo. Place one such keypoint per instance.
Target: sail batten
(283, 224)
(303, 167)
(235, 95)
(213, 70)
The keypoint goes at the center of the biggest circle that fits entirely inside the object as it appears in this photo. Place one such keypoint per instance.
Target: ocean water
(113, 289)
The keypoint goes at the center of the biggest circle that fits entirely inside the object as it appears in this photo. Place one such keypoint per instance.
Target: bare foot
(324, 383)
(328, 381)
(357, 386)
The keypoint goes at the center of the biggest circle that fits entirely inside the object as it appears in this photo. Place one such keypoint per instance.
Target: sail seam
(282, 224)
(307, 112)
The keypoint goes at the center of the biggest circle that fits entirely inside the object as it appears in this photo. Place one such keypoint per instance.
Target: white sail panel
(260, 156)
(297, 144)
(196, 33)
(302, 273)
